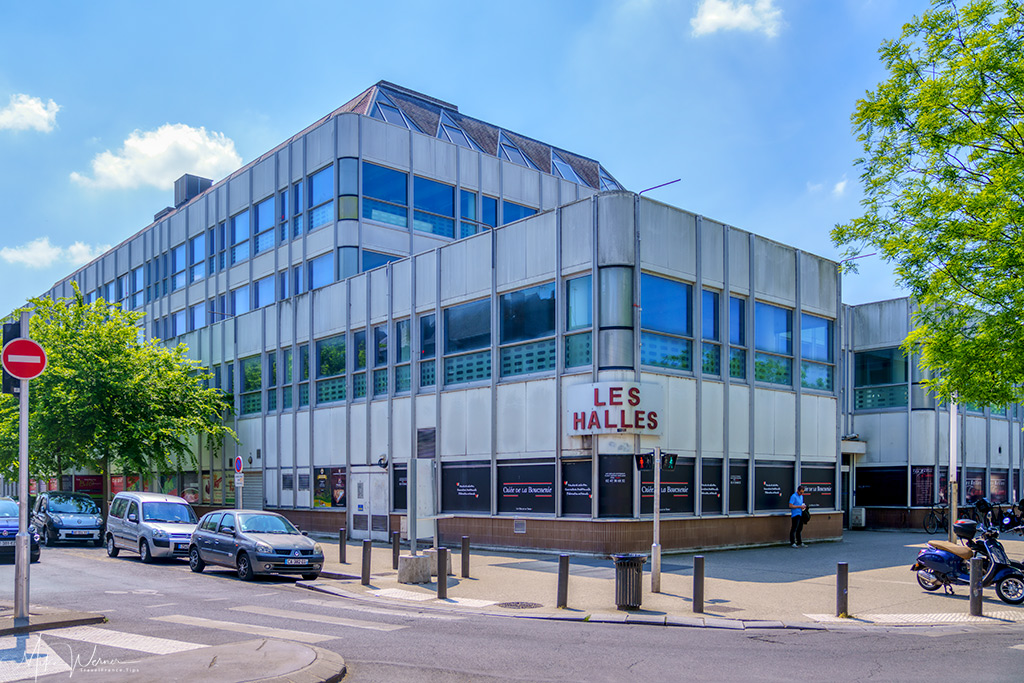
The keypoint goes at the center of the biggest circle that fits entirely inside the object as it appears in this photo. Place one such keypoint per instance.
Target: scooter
(943, 564)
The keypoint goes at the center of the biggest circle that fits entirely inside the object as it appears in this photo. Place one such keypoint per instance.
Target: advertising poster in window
(169, 484)
(229, 493)
(677, 493)
(51, 484)
(466, 487)
(67, 482)
(526, 488)
(711, 487)
(997, 486)
(819, 482)
(615, 485)
(738, 485)
(880, 486)
(577, 496)
(214, 495)
(116, 484)
(773, 485)
(922, 483)
(91, 484)
(339, 485)
(321, 487)
(400, 487)
(974, 485)
(190, 486)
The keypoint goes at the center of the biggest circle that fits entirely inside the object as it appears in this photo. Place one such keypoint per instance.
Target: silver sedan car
(253, 542)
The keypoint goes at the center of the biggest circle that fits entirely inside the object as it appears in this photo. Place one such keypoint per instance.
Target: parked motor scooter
(943, 564)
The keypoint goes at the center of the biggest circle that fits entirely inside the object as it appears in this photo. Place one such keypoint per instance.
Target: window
(178, 267)
(286, 379)
(737, 338)
(434, 205)
(271, 382)
(489, 216)
(403, 354)
(467, 328)
(607, 182)
(297, 208)
(197, 258)
(773, 341)
(348, 189)
(264, 226)
(527, 327)
(711, 350)
(283, 213)
(177, 323)
(359, 364)
(240, 228)
(385, 110)
(385, 195)
(579, 320)
(468, 223)
(240, 301)
(251, 385)
(428, 351)
(299, 283)
(373, 259)
(138, 286)
(264, 290)
(665, 328)
(197, 316)
(321, 198)
(303, 375)
(508, 151)
(562, 169)
(217, 238)
(510, 211)
(321, 271)
(448, 130)
(123, 289)
(380, 360)
(816, 352)
(879, 379)
(330, 369)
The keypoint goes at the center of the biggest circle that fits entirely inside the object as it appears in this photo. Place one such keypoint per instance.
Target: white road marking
(27, 656)
(319, 618)
(215, 599)
(1017, 647)
(401, 594)
(939, 618)
(127, 641)
(265, 631)
(378, 610)
(166, 604)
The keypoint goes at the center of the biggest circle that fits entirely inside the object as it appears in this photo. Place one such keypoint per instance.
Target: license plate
(4, 544)
(79, 532)
(296, 560)
(181, 546)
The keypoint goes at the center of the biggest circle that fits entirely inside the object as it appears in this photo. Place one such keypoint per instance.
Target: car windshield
(266, 524)
(80, 505)
(168, 512)
(8, 508)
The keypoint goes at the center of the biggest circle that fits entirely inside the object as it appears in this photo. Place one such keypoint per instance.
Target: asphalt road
(382, 643)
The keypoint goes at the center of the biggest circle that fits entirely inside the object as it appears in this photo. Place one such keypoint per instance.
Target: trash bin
(629, 574)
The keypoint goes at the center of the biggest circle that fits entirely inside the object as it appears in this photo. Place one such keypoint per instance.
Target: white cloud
(160, 156)
(839, 188)
(814, 187)
(28, 113)
(736, 15)
(39, 253)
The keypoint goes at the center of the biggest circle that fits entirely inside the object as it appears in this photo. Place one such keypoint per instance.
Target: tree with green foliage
(108, 401)
(943, 176)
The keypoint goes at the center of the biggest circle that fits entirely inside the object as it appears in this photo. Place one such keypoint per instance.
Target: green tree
(108, 401)
(943, 176)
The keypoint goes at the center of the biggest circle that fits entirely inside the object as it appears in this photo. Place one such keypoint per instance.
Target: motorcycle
(943, 564)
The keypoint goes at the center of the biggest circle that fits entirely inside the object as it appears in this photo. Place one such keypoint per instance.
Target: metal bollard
(367, 551)
(842, 589)
(563, 581)
(465, 557)
(395, 548)
(976, 574)
(442, 573)
(698, 584)
(341, 546)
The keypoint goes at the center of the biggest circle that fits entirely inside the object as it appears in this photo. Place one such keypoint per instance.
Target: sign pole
(656, 546)
(21, 541)
(954, 495)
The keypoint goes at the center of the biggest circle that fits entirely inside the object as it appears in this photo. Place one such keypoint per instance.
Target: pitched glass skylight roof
(507, 150)
(562, 169)
(385, 110)
(607, 182)
(448, 130)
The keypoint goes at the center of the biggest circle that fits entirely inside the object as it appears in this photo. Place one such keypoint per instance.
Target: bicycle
(937, 518)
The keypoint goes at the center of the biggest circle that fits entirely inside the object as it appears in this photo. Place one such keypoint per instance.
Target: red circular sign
(238, 463)
(24, 359)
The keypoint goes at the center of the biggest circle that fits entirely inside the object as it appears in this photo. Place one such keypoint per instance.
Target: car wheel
(112, 549)
(47, 537)
(195, 563)
(144, 552)
(311, 576)
(245, 571)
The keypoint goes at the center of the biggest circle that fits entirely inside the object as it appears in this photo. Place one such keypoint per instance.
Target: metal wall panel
(549, 195)
(774, 271)
(974, 441)
(302, 313)
(526, 251)
(819, 281)
(818, 429)
(774, 424)
(885, 435)
(320, 147)
(178, 224)
(348, 135)
(357, 437)
(388, 240)
(286, 311)
(469, 168)
(250, 333)
(401, 275)
(739, 421)
(922, 427)
(385, 143)
(329, 310)
(329, 439)
(380, 441)
(401, 428)
(238, 193)
(490, 175)
(679, 433)
(357, 301)
(577, 235)
(668, 239)
(466, 269)
(298, 159)
(519, 184)
(880, 324)
(451, 439)
(510, 404)
(435, 158)
(283, 167)
(271, 482)
(263, 265)
(378, 294)
(426, 281)
(712, 245)
(541, 422)
(264, 179)
(478, 421)
(616, 243)
(1000, 444)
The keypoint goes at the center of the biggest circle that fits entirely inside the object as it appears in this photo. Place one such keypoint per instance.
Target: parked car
(150, 524)
(9, 530)
(65, 516)
(254, 542)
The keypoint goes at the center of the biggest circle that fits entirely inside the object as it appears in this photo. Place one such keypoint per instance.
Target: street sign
(239, 480)
(24, 358)
(238, 463)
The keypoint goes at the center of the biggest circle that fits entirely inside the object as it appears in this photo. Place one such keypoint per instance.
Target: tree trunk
(106, 483)
(60, 473)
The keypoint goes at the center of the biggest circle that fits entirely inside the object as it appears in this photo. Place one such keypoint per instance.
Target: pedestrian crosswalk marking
(264, 631)
(126, 641)
(938, 618)
(401, 594)
(319, 618)
(398, 612)
(27, 656)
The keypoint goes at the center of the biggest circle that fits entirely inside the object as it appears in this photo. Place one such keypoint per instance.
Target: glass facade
(666, 336)
(879, 379)
(773, 344)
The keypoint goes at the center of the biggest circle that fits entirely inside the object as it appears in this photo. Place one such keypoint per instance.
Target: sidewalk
(775, 586)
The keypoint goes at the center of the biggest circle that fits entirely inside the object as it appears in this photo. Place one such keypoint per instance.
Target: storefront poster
(216, 495)
(738, 485)
(974, 485)
(819, 482)
(676, 489)
(773, 485)
(711, 487)
(466, 487)
(526, 488)
(190, 487)
(922, 482)
(881, 486)
(577, 496)
(116, 484)
(997, 484)
(339, 481)
(89, 483)
(321, 487)
(615, 485)
(169, 484)
(400, 487)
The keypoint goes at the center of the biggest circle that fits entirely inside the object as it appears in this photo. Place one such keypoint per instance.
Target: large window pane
(511, 211)
(773, 328)
(665, 351)
(428, 339)
(402, 341)
(467, 327)
(737, 321)
(348, 172)
(881, 366)
(579, 303)
(664, 305)
(528, 314)
(321, 271)
(265, 215)
(815, 338)
(380, 346)
(709, 315)
(251, 374)
(359, 349)
(430, 195)
(384, 183)
(321, 186)
(330, 356)
(240, 227)
(773, 369)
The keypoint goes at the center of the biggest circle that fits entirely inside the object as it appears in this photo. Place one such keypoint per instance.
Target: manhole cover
(520, 605)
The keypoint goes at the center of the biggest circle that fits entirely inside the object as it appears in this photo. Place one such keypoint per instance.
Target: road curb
(12, 626)
(328, 667)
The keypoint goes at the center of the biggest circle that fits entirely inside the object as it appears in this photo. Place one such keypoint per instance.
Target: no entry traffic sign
(24, 359)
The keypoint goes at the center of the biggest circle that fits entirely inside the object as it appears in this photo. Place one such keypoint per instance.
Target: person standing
(796, 512)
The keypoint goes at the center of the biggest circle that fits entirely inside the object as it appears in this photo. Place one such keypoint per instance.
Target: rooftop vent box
(189, 186)
(161, 213)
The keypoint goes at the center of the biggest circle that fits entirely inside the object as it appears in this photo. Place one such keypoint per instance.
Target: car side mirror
(133, 517)
(304, 533)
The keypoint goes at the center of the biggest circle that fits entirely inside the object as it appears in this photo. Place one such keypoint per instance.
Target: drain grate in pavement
(520, 605)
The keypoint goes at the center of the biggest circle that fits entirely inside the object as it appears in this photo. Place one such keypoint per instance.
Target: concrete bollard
(367, 552)
(395, 548)
(341, 545)
(563, 581)
(976, 573)
(442, 573)
(842, 589)
(698, 584)
(465, 557)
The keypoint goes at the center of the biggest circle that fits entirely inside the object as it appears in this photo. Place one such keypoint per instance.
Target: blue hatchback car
(9, 530)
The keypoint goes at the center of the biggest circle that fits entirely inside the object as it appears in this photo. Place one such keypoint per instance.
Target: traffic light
(11, 385)
(644, 461)
(668, 461)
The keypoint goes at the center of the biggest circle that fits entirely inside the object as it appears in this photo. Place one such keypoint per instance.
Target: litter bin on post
(629, 575)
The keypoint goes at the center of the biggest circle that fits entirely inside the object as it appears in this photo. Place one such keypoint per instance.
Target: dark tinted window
(73, 505)
(212, 521)
(227, 525)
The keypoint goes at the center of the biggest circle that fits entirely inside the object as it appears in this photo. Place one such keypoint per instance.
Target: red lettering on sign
(579, 420)
(640, 418)
(595, 421)
(652, 420)
(597, 397)
(634, 396)
(615, 396)
(625, 423)
(608, 421)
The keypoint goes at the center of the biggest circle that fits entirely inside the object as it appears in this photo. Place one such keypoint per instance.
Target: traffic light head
(644, 461)
(668, 461)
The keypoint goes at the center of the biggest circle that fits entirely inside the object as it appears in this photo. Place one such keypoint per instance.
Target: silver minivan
(150, 524)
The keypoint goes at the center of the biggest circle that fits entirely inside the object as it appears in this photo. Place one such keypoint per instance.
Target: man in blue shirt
(796, 511)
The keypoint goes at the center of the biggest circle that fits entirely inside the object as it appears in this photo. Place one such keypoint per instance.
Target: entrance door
(370, 503)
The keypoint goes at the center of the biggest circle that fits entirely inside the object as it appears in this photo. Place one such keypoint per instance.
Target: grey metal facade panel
(577, 234)
(880, 324)
(616, 241)
(177, 232)
(390, 240)
(550, 192)
(465, 269)
(490, 175)
(401, 292)
(384, 143)
(320, 146)
(616, 349)
(774, 271)
(283, 168)
(426, 282)
(357, 301)
(298, 159)
(239, 197)
(347, 135)
(519, 184)
(712, 236)
(819, 284)
(197, 217)
(469, 168)
(264, 176)
(327, 303)
(668, 239)
(379, 303)
(525, 251)
(435, 158)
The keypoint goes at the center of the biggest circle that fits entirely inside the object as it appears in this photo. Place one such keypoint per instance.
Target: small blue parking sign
(238, 463)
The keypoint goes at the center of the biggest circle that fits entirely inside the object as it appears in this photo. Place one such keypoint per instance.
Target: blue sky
(103, 104)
